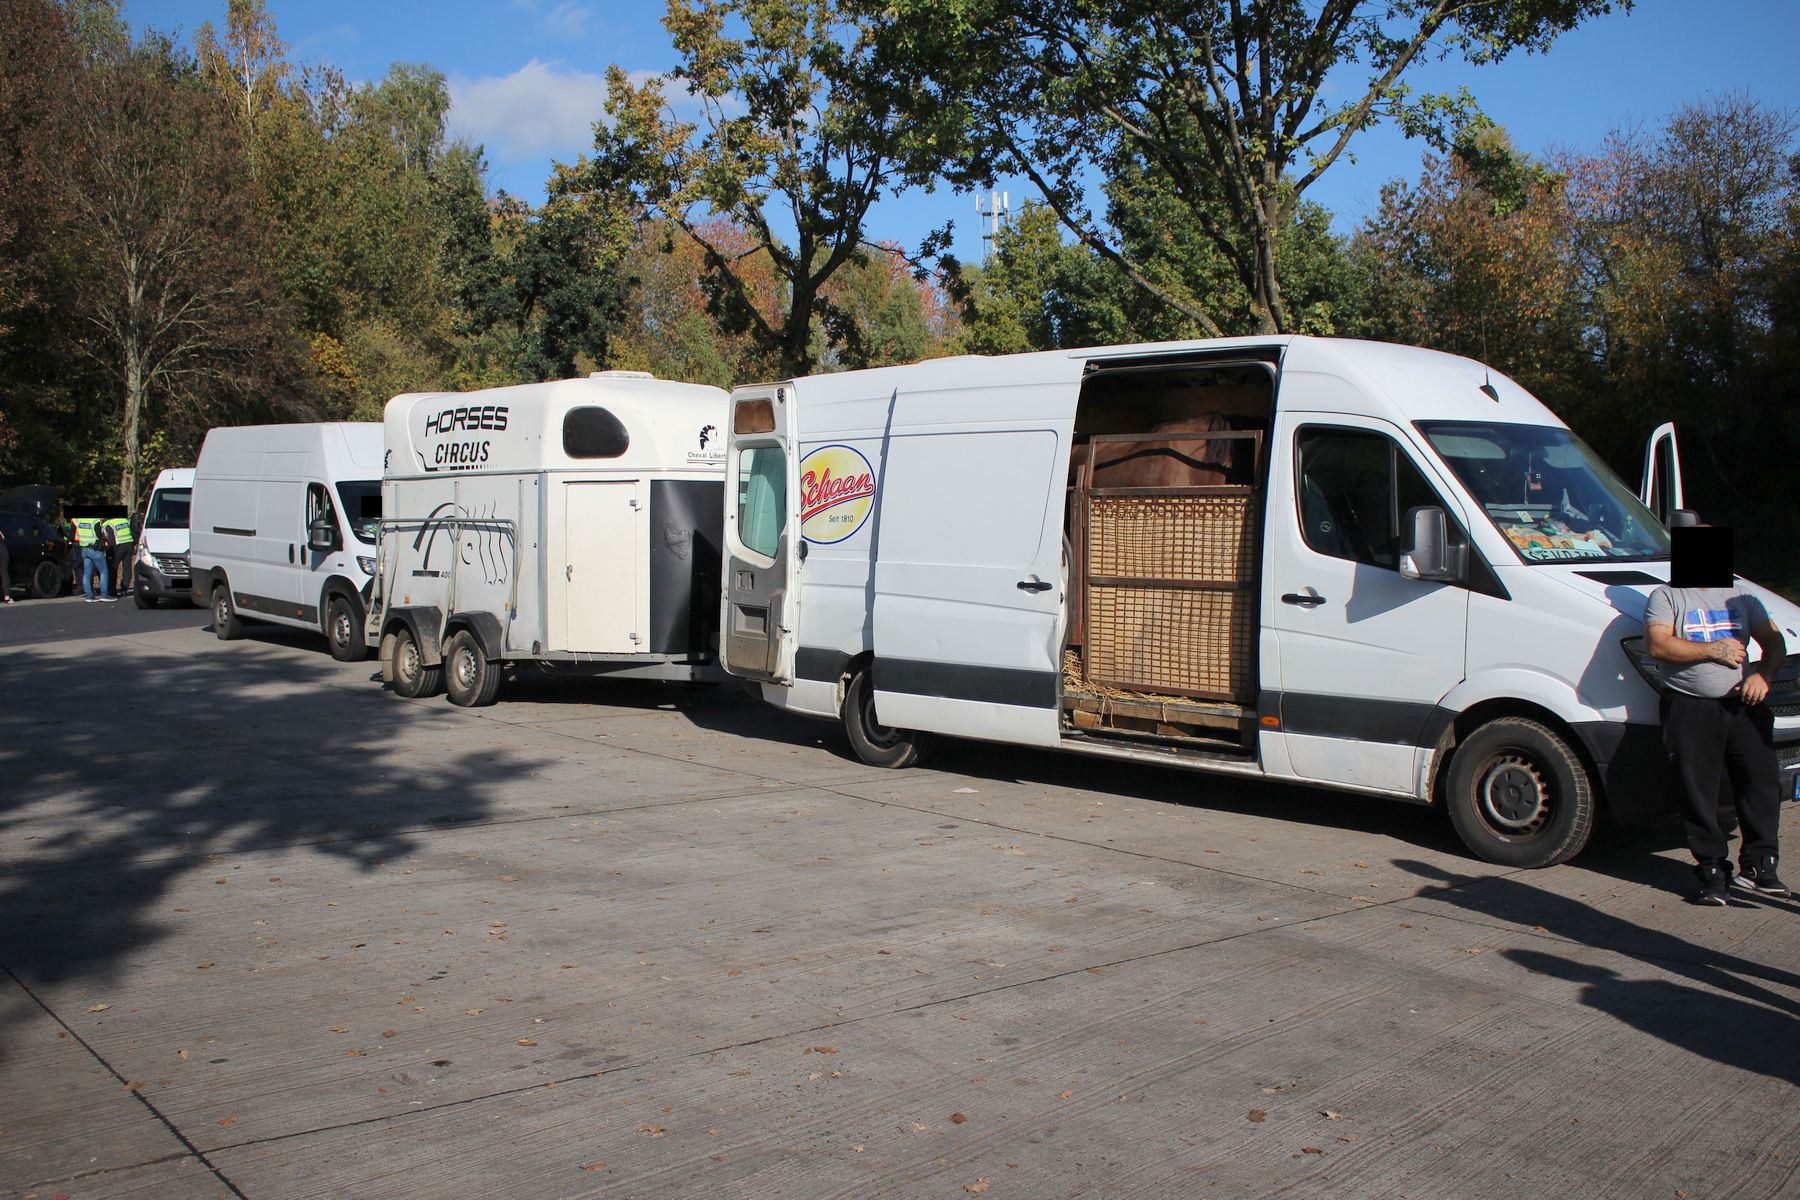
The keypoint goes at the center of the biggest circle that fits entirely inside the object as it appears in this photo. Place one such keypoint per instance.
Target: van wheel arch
(876, 744)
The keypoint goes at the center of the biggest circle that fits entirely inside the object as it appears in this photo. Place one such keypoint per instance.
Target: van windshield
(1553, 498)
(361, 499)
(168, 509)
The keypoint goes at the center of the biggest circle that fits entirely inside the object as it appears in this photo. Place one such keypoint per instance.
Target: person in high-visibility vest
(93, 560)
(119, 554)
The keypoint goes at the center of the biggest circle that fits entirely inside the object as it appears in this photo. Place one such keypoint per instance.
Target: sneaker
(1714, 882)
(1760, 877)
(90, 600)
(108, 599)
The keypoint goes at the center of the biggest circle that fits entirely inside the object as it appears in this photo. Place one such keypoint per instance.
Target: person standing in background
(90, 531)
(5, 571)
(119, 552)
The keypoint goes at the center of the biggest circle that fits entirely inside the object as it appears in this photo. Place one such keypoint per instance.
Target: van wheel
(875, 743)
(47, 580)
(412, 678)
(1519, 796)
(227, 625)
(471, 679)
(143, 600)
(343, 629)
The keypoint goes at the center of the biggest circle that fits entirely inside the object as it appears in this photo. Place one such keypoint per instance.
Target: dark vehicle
(38, 555)
(37, 499)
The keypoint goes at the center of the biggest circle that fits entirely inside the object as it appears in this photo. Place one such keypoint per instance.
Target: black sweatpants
(1703, 737)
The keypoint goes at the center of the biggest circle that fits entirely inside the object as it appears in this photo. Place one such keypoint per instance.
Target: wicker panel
(1173, 641)
(1206, 538)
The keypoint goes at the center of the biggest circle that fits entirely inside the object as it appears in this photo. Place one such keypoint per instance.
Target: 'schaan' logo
(837, 493)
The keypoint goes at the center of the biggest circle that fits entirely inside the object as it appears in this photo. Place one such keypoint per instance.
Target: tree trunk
(134, 409)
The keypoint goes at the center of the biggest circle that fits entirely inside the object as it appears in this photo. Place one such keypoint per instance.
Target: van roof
(1398, 383)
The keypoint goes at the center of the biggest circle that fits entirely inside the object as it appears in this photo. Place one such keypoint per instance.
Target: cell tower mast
(995, 214)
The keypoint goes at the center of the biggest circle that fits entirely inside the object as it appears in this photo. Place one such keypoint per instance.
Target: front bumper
(155, 583)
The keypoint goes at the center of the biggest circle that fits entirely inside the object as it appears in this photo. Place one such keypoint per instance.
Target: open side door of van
(761, 536)
(1661, 487)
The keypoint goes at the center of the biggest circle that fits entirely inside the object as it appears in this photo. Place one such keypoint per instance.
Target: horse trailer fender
(486, 628)
(427, 625)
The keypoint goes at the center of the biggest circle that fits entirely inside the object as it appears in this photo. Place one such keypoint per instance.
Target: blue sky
(527, 80)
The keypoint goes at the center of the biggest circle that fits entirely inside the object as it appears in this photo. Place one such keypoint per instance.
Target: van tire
(875, 743)
(143, 599)
(412, 678)
(470, 678)
(344, 629)
(227, 625)
(47, 580)
(1519, 795)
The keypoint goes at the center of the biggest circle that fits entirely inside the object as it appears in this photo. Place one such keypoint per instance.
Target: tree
(162, 218)
(1226, 100)
(799, 134)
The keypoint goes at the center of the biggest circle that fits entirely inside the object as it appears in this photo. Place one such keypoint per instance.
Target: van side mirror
(1683, 518)
(1426, 552)
(322, 536)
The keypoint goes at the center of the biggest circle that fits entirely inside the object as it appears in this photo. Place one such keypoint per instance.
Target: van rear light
(753, 416)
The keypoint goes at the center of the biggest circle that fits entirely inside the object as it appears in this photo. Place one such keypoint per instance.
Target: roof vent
(621, 375)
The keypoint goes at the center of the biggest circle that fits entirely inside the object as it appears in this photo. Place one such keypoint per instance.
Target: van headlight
(366, 563)
(143, 556)
(1652, 669)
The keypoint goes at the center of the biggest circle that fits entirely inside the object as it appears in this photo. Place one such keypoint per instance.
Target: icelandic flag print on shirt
(1710, 625)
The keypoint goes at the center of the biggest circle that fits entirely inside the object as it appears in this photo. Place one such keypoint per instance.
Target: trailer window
(761, 498)
(593, 432)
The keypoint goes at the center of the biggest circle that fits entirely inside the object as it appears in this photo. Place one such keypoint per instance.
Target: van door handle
(1034, 585)
(290, 552)
(1306, 599)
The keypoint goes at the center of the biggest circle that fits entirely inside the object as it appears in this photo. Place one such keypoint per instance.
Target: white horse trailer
(574, 524)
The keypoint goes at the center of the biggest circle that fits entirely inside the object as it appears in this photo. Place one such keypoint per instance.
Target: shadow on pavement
(120, 777)
(1755, 1029)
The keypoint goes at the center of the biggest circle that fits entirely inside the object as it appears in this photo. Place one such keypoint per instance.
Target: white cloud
(540, 110)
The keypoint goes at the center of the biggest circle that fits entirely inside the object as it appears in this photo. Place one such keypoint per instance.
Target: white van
(573, 524)
(162, 546)
(283, 524)
(1362, 566)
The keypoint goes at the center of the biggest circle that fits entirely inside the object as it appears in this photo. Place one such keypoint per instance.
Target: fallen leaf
(182, 1054)
(509, 879)
(390, 1033)
(822, 1050)
(652, 1130)
(203, 966)
(1331, 1115)
(736, 971)
(471, 1012)
(221, 879)
(353, 1054)
(526, 1042)
(1258, 1115)
(593, 1166)
(229, 1121)
(1064, 1095)
(136, 1085)
(340, 1029)
(957, 1118)
(98, 1007)
(1311, 1150)
(976, 1188)
(856, 1149)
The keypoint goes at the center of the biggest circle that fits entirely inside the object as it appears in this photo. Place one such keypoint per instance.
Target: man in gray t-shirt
(1714, 719)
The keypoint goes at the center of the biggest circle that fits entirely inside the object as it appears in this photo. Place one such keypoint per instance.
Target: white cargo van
(1362, 566)
(283, 522)
(573, 524)
(162, 546)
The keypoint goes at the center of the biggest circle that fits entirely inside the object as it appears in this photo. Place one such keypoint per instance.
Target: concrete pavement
(273, 932)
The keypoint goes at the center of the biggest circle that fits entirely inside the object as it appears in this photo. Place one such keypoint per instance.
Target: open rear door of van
(1661, 487)
(759, 619)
